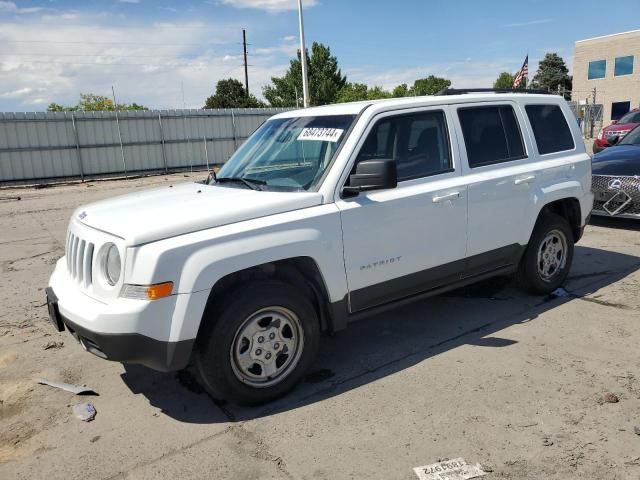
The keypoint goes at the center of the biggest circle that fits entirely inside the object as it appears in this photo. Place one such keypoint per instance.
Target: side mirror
(613, 122)
(378, 174)
(211, 176)
(613, 140)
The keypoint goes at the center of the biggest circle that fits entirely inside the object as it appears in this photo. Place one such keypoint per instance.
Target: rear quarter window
(550, 128)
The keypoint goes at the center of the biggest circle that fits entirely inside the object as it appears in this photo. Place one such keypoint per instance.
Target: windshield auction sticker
(456, 469)
(321, 134)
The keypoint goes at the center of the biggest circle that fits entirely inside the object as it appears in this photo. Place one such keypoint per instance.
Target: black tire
(530, 276)
(219, 371)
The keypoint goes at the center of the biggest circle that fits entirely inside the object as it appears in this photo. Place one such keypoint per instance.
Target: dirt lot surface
(487, 373)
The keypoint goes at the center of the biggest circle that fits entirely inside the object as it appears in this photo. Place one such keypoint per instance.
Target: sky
(168, 54)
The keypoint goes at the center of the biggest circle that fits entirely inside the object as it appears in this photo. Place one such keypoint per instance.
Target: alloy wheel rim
(267, 347)
(552, 255)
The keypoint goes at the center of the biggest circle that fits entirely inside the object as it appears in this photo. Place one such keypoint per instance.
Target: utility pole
(246, 67)
(593, 111)
(115, 106)
(303, 58)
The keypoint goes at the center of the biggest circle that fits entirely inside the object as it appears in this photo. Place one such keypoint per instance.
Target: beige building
(611, 65)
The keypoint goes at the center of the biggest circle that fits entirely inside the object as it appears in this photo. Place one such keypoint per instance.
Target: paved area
(487, 373)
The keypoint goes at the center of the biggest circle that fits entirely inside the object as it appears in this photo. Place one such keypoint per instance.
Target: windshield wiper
(252, 183)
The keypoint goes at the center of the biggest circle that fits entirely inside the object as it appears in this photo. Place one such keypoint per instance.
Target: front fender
(197, 261)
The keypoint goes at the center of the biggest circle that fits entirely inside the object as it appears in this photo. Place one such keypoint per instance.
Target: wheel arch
(567, 208)
(301, 272)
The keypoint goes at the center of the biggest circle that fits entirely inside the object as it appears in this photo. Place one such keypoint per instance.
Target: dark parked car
(617, 130)
(616, 178)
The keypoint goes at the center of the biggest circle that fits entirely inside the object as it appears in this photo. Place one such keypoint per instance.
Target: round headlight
(112, 265)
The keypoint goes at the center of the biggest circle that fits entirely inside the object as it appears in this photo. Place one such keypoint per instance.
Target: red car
(618, 128)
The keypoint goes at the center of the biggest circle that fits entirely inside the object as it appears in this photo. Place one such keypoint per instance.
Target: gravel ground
(487, 373)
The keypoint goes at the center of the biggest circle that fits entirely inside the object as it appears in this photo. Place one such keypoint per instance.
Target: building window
(624, 66)
(597, 69)
(618, 109)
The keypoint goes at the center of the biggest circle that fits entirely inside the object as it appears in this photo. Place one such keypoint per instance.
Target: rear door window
(491, 135)
(550, 128)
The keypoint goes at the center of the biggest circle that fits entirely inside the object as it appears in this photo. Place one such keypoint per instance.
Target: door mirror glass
(376, 174)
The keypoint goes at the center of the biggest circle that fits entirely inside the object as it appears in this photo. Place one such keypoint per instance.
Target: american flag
(524, 71)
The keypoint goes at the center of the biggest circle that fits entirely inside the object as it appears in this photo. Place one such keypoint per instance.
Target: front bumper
(625, 189)
(133, 331)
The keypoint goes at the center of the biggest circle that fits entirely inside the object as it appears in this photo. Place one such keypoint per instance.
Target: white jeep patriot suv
(321, 217)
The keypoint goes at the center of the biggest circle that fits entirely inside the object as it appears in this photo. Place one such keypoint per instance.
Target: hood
(617, 160)
(622, 127)
(165, 212)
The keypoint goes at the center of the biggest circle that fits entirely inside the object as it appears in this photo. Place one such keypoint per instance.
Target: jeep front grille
(79, 255)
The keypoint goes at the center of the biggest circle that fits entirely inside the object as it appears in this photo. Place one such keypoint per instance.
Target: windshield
(631, 117)
(286, 153)
(631, 138)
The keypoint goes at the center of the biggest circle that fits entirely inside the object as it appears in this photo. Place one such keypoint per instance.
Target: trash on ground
(546, 442)
(52, 344)
(610, 398)
(636, 430)
(456, 469)
(560, 293)
(77, 389)
(84, 411)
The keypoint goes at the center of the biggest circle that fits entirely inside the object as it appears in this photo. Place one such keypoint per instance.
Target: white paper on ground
(321, 134)
(456, 469)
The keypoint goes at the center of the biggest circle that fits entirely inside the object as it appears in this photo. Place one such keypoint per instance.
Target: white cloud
(146, 64)
(269, 5)
(130, 1)
(11, 7)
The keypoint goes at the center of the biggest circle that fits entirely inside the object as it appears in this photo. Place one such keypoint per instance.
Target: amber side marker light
(148, 292)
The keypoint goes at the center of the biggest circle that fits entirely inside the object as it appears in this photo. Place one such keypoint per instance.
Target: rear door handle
(445, 197)
(527, 179)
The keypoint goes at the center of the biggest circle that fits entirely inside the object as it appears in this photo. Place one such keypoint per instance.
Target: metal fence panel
(48, 146)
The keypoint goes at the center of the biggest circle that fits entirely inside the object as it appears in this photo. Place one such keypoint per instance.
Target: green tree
(401, 90)
(504, 80)
(377, 93)
(90, 102)
(230, 93)
(56, 107)
(354, 92)
(429, 86)
(552, 73)
(325, 80)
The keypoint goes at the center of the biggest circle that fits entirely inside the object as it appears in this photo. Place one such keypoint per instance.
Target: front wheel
(547, 259)
(258, 344)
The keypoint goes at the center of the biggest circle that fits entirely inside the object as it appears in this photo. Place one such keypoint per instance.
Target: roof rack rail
(460, 91)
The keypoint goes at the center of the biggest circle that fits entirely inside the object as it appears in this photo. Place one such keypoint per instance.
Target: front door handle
(527, 179)
(445, 197)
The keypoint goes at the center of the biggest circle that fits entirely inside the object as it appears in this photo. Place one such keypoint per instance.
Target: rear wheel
(547, 260)
(258, 345)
